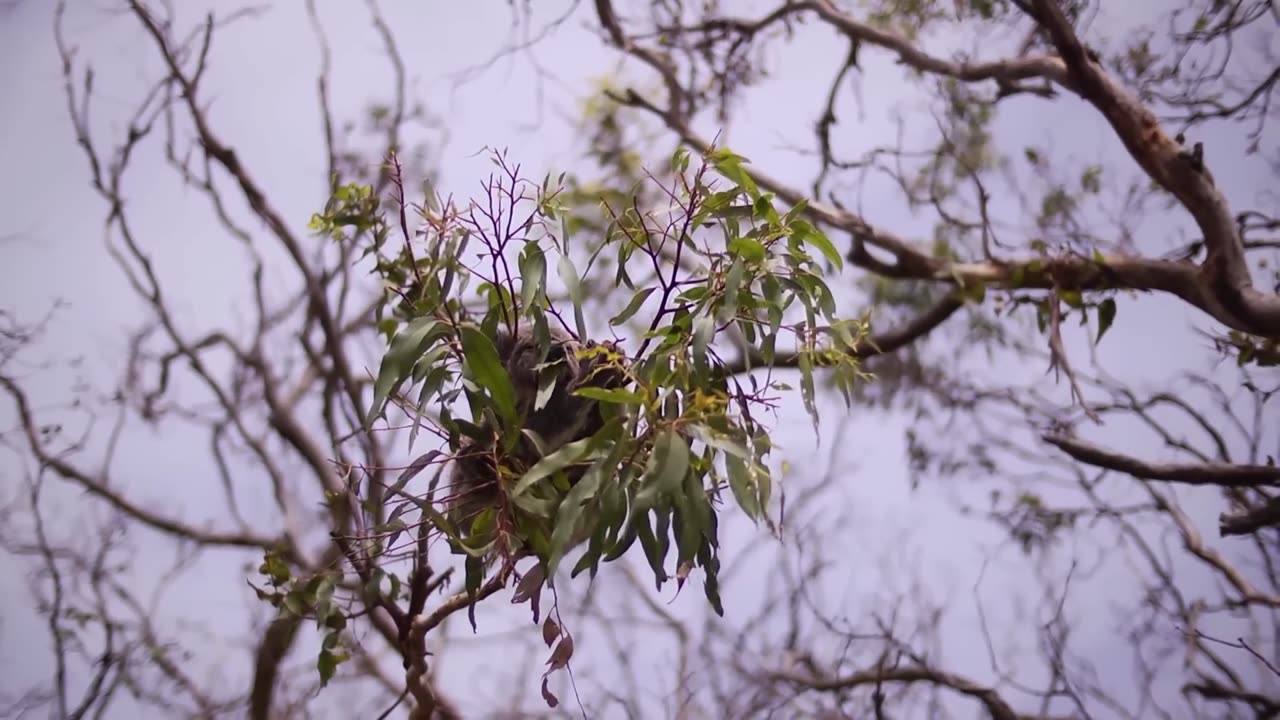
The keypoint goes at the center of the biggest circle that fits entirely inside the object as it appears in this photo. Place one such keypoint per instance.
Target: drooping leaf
(670, 461)
(732, 284)
(807, 395)
(530, 585)
(398, 363)
(1106, 316)
(550, 631)
(485, 367)
(570, 511)
(573, 284)
(704, 328)
(654, 551)
(474, 567)
(810, 235)
(632, 307)
(562, 654)
(327, 664)
(533, 275)
(741, 485)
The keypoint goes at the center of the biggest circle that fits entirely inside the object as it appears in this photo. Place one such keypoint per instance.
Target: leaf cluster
(681, 432)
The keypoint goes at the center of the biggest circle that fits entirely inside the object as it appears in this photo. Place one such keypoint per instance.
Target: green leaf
(1106, 315)
(732, 283)
(617, 395)
(632, 307)
(398, 363)
(533, 275)
(703, 330)
(654, 550)
(742, 486)
(707, 558)
(730, 165)
(275, 568)
(549, 465)
(485, 367)
(431, 386)
(327, 664)
(688, 536)
(717, 440)
(629, 534)
(474, 568)
(547, 380)
(805, 362)
(699, 507)
(747, 249)
(1090, 179)
(764, 487)
(570, 510)
(669, 462)
(573, 284)
(812, 236)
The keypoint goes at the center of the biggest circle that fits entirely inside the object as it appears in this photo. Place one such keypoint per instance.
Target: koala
(564, 418)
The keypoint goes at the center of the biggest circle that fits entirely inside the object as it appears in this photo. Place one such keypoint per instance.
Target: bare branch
(102, 488)
(1222, 474)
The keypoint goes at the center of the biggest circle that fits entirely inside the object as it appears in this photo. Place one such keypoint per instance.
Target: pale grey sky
(261, 84)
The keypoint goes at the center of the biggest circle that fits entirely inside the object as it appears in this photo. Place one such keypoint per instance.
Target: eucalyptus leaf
(398, 363)
(571, 507)
(485, 368)
(632, 307)
(572, 283)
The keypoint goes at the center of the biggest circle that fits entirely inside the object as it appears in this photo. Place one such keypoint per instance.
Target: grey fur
(563, 419)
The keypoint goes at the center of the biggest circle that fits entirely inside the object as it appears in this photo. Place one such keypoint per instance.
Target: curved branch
(876, 345)
(990, 699)
(1221, 474)
(1221, 287)
(101, 488)
(1225, 273)
(227, 158)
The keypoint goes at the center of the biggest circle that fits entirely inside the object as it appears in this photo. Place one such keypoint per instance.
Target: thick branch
(1114, 272)
(1006, 69)
(1220, 288)
(1221, 474)
(1225, 273)
(1252, 520)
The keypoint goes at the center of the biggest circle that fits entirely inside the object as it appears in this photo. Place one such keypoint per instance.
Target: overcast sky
(261, 85)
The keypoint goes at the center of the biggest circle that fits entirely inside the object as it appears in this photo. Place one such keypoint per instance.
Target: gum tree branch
(101, 487)
(1221, 474)
(257, 200)
(1217, 288)
(998, 708)
(1225, 287)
